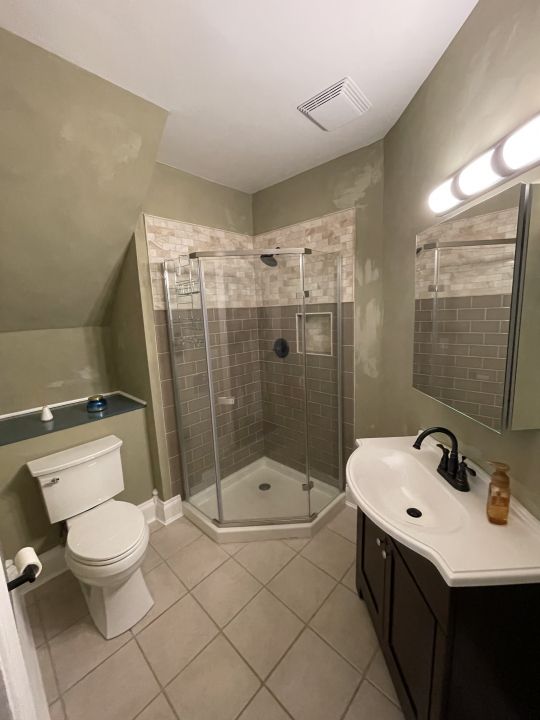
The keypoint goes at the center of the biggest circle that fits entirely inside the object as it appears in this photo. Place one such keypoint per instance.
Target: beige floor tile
(174, 639)
(215, 686)
(232, 548)
(151, 560)
(80, 649)
(194, 562)
(264, 707)
(169, 539)
(56, 711)
(61, 604)
(165, 588)
(349, 579)
(331, 552)
(345, 524)
(34, 620)
(297, 544)
(302, 587)
(223, 593)
(379, 676)
(343, 621)
(263, 632)
(369, 704)
(47, 674)
(159, 709)
(265, 558)
(117, 689)
(312, 681)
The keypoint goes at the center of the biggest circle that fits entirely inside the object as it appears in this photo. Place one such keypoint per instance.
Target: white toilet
(107, 538)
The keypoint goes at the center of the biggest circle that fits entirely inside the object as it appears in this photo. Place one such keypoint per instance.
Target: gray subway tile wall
(460, 346)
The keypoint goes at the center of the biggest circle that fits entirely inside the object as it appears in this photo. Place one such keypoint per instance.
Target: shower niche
(249, 417)
(318, 331)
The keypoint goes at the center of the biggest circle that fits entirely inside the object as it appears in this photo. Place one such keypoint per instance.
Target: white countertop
(457, 537)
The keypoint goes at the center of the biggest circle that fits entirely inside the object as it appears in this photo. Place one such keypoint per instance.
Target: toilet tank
(80, 478)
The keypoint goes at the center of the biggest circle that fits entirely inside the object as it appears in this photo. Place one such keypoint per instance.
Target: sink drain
(414, 512)
(264, 486)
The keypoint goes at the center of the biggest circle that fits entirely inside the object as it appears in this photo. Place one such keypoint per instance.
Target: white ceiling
(231, 72)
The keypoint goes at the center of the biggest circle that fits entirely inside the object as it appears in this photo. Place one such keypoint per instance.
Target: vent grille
(338, 105)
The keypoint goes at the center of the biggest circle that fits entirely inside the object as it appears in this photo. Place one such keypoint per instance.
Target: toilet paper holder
(29, 574)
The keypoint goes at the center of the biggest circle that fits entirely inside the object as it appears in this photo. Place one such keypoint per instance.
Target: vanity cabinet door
(371, 567)
(410, 630)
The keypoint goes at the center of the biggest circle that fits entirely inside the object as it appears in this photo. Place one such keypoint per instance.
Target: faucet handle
(465, 468)
(443, 465)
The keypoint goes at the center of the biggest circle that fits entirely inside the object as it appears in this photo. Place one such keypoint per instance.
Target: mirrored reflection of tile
(302, 587)
(263, 631)
(118, 689)
(79, 649)
(174, 639)
(223, 593)
(264, 707)
(61, 603)
(194, 562)
(379, 676)
(312, 681)
(165, 588)
(369, 703)
(345, 524)
(159, 709)
(264, 558)
(171, 538)
(215, 686)
(344, 622)
(331, 552)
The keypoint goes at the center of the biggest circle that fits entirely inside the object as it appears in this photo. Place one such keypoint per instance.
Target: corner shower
(255, 342)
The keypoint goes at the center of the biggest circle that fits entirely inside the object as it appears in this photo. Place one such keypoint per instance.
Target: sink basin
(399, 489)
(396, 482)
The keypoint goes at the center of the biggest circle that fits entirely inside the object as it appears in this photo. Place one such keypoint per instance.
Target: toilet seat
(106, 534)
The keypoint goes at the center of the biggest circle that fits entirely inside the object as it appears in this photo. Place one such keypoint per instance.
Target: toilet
(106, 538)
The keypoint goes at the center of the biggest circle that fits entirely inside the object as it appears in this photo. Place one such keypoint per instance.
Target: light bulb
(478, 175)
(442, 198)
(522, 147)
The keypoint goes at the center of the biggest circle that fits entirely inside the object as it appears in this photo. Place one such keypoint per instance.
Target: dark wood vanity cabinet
(454, 653)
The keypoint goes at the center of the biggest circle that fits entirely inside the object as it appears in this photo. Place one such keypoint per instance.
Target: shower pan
(255, 342)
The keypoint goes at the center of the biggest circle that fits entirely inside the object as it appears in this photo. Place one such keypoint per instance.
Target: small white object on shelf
(46, 414)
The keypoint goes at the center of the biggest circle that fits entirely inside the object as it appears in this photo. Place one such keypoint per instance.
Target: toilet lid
(105, 532)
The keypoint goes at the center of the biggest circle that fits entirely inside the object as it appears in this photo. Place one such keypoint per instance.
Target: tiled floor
(256, 631)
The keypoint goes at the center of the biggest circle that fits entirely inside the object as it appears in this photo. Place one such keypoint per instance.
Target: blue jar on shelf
(96, 403)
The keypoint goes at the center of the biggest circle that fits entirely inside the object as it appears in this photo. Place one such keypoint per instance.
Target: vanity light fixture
(518, 151)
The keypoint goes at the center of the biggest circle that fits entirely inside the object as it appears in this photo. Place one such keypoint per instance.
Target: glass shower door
(253, 308)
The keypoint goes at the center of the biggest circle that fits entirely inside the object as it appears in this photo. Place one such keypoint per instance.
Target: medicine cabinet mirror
(477, 311)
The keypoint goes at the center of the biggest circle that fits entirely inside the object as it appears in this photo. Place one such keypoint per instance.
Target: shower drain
(264, 486)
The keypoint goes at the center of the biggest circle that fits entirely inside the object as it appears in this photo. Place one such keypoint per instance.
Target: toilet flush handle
(54, 481)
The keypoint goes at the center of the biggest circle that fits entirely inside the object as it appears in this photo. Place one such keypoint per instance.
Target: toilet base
(118, 608)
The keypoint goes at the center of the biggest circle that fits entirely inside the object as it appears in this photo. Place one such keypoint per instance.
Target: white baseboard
(162, 511)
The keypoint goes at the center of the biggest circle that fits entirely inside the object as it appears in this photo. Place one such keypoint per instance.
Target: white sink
(388, 477)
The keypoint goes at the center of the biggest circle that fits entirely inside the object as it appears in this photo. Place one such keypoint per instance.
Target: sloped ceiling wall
(76, 157)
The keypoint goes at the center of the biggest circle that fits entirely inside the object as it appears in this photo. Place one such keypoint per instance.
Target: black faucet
(451, 469)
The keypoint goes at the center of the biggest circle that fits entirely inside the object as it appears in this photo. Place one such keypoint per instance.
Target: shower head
(269, 260)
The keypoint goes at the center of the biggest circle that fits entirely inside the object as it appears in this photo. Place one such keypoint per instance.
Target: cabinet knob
(384, 554)
(378, 542)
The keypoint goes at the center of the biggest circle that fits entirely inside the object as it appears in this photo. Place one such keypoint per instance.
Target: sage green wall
(354, 180)
(41, 367)
(23, 518)
(486, 83)
(181, 196)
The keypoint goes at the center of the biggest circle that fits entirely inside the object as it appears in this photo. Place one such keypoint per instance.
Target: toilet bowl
(107, 539)
(105, 549)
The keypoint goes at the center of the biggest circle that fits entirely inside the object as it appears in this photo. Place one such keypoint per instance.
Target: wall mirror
(477, 311)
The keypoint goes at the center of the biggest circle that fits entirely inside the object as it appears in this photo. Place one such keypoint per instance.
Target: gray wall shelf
(23, 427)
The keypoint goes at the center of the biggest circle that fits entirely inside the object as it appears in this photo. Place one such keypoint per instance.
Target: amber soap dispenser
(498, 503)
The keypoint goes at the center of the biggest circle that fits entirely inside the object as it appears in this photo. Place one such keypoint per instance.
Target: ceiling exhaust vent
(338, 105)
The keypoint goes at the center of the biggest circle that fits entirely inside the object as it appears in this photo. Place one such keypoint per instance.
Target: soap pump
(498, 503)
